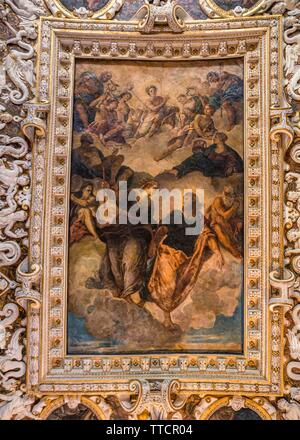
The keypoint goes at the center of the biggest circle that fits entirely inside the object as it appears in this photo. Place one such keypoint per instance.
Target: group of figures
(134, 6)
(104, 108)
(155, 262)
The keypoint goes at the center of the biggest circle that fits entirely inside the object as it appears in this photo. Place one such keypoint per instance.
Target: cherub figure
(9, 216)
(83, 214)
(15, 405)
(290, 410)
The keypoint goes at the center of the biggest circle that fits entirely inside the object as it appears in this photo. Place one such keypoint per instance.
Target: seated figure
(218, 160)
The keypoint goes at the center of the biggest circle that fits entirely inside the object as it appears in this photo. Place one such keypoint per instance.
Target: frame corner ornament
(34, 123)
(156, 15)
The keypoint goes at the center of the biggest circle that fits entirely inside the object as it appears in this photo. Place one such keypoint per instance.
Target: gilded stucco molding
(213, 10)
(14, 401)
(210, 404)
(28, 278)
(17, 86)
(107, 12)
(293, 259)
(152, 16)
(285, 287)
(156, 400)
(35, 121)
(179, 366)
(48, 405)
(17, 80)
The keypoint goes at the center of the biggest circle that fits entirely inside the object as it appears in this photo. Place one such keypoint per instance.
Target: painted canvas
(227, 413)
(150, 285)
(231, 4)
(91, 5)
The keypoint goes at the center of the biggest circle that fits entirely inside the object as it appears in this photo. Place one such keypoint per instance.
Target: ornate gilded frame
(214, 10)
(106, 12)
(257, 41)
(269, 370)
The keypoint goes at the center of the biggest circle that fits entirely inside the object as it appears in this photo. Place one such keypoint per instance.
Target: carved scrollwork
(14, 182)
(292, 52)
(141, 389)
(290, 410)
(15, 403)
(17, 80)
(14, 189)
(295, 151)
(175, 400)
(284, 286)
(156, 14)
(282, 127)
(35, 122)
(293, 336)
(10, 253)
(158, 399)
(107, 12)
(292, 220)
(213, 10)
(209, 405)
(28, 279)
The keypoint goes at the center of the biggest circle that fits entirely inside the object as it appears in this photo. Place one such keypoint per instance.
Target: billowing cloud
(107, 317)
(133, 328)
(128, 325)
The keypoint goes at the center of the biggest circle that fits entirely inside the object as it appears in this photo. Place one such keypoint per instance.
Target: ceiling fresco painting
(149, 210)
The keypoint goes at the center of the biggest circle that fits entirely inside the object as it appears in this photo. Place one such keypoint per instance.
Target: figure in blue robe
(218, 160)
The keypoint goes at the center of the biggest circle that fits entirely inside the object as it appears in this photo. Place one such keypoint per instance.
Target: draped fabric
(175, 274)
